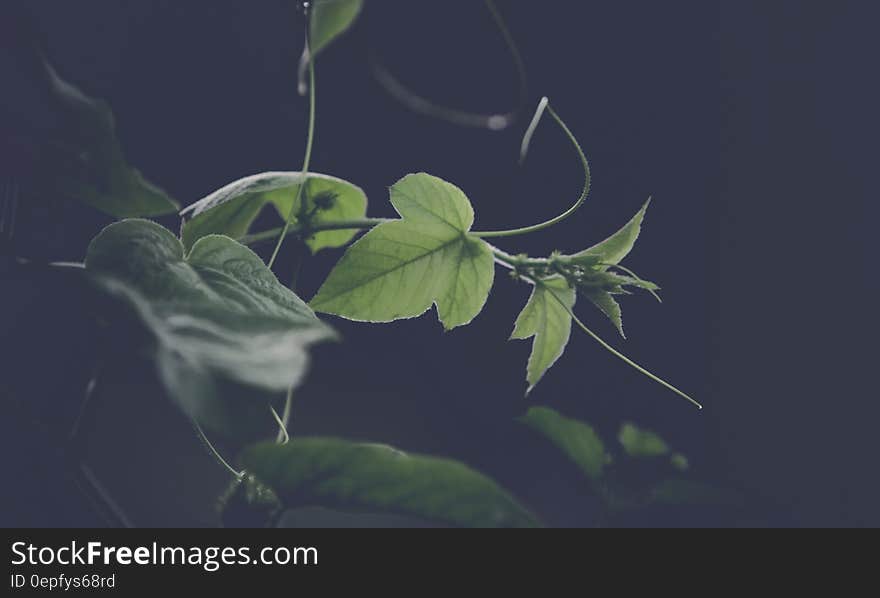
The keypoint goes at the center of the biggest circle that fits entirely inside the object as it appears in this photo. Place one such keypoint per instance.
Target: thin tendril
(510, 262)
(283, 436)
(620, 355)
(530, 132)
(214, 452)
(422, 105)
(308, 157)
(574, 208)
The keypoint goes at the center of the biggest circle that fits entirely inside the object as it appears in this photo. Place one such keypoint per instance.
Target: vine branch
(310, 140)
(580, 200)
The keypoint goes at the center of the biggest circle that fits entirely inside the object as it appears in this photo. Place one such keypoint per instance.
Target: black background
(747, 121)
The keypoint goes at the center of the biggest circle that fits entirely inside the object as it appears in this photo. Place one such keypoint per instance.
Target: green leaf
(679, 462)
(675, 492)
(616, 247)
(71, 139)
(374, 478)
(330, 19)
(232, 210)
(577, 440)
(217, 315)
(401, 268)
(642, 443)
(608, 306)
(546, 319)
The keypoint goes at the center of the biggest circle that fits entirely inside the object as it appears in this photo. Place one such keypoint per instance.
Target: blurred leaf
(401, 268)
(330, 19)
(616, 247)
(374, 478)
(684, 493)
(546, 319)
(679, 462)
(577, 440)
(232, 210)
(216, 315)
(641, 443)
(65, 141)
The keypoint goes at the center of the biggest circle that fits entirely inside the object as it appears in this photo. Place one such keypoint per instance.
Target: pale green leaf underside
(374, 478)
(330, 19)
(232, 209)
(217, 315)
(642, 443)
(616, 247)
(577, 440)
(547, 320)
(400, 269)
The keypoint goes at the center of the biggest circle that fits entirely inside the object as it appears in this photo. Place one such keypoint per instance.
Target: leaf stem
(574, 208)
(301, 229)
(310, 139)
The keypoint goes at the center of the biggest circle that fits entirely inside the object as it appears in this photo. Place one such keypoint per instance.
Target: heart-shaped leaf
(232, 210)
(577, 440)
(546, 318)
(374, 478)
(217, 315)
(401, 268)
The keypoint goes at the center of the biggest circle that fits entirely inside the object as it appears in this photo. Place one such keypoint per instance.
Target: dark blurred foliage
(737, 117)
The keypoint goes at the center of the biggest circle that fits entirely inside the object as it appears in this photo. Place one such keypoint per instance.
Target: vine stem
(577, 204)
(310, 140)
(512, 262)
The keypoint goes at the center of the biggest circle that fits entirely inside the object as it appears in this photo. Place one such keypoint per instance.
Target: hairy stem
(574, 208)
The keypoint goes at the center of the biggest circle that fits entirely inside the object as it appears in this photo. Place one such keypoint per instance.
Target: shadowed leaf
(641, 443)
(65, 141)
(232, 209)
(217, 315)
(374, 478)
(577, 440)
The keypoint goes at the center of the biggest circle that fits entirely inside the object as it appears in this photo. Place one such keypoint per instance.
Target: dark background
(747, 121)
